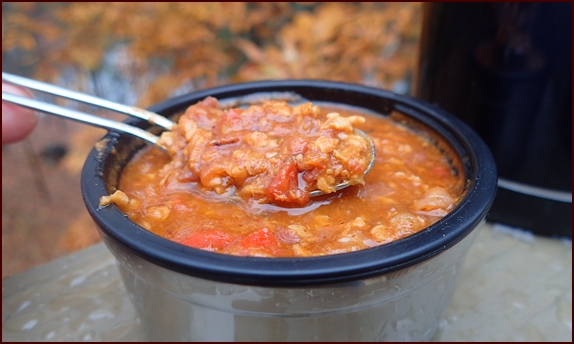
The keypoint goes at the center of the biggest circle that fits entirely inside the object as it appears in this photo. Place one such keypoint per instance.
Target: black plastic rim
(478, 161)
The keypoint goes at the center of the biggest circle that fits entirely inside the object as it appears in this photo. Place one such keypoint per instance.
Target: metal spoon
(82, 117)
(105, 123)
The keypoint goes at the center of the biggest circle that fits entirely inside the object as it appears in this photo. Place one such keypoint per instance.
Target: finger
(17, 122)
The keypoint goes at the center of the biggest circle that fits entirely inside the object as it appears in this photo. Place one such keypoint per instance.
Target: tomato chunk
(211, 240)
(261, 238)
(259, 243)
(284, 188)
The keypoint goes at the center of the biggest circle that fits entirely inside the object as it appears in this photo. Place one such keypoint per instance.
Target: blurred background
(142, 53)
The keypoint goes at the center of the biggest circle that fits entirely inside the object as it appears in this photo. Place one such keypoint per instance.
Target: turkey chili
(237, 181)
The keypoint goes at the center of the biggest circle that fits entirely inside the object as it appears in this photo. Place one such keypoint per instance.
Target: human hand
(17, 122)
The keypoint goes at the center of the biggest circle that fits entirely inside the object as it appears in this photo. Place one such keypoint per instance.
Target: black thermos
(506, 70)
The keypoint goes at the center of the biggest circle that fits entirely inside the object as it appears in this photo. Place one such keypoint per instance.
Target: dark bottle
(506, 70)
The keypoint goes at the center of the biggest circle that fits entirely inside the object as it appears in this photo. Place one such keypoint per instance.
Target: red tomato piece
(284, 188)
(211, 240)
(260, 243)
(261, 238)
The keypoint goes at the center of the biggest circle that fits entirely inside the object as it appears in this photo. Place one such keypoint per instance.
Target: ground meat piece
(118, 197)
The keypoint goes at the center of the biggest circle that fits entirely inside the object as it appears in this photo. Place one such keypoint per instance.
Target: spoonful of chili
(270, 152)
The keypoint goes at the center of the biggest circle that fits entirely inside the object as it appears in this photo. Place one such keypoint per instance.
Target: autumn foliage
(165, 47)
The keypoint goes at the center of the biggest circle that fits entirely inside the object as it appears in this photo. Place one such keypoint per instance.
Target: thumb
(17, 122)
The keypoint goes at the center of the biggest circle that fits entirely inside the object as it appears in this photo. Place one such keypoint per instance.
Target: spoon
(112, 125)
(82, 117)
